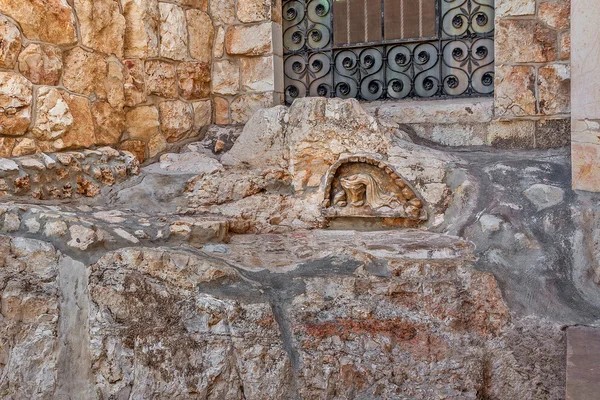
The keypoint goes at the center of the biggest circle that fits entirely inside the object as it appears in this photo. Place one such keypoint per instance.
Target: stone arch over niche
(366, 186)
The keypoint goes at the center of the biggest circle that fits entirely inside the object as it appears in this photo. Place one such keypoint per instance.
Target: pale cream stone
(225, 77)
(517, 134)
(134, 86)
(142, 19)
(160, 79)
(555, 14)
(142, 122)
(201, 35)
(81, 237)
(202, 114)
(173, 32)
(258, 74)
(53, 117)
(243, 106)
(10, 43)
(219, 46)
(176, 118)
(55, 228)
(41, 64)
(254, 10)
(16, 95)
(222, 11)
(24, 147)
(524, 40)
(49, 21)
(237, 39)
(511, 8)
(102, 25)
(514, 91)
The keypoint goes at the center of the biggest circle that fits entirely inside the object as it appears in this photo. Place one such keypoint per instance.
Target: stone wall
(135, 74)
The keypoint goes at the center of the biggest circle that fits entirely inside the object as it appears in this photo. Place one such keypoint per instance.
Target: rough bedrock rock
(237, 43)
(10, 45)
(109, 123)
(53, 117)
(201, 35)
(82, 133)
(554, 85)
(254, 10)
(189, 162)
(102, 25)
(226, 77)
(173, 32)
(142, 122)
(30, 309)
(555, 14)
(222, 12)
(218, 140)
(50, 21)
(524, 40)
(245, 105)
(511, 8)
(160, 79)
(177, 119)
(16, 95)
(514, 91)
(41, 64)
(544, 196)
(320, 130)
(262, 142)
(258, 74)
(193, 79)
(142, 19)
(134, 87)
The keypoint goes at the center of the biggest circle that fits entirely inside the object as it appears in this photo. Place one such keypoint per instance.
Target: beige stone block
(156, 145)
(585, 158)
(85, 72)
(565, 46)
(82, 133)
(252, 40)
(24, 147)
(199, 4)
(176, 118)
(49, 21)
(555, 14)
(254, 10)
(102, 25)
(114, 82)
(142, 20)
(258, 74)
(173, 32)
(201, 35)
(194, 80)
(455, 134)
(10, 44)
(512, 8)
(202, 114)
(243, 106)
(160, 79)
(6, 146)
(142, 122)
(16, 95)
(221, 111)
(135, 147)
(585, 131)
(134, 86)
(515, 91)
(524, 40)
(53, 117)
(225, 77)
(554, 86)
(41, 64)
(109, 123)
(219, 46)
(222, 11)
(511, 134)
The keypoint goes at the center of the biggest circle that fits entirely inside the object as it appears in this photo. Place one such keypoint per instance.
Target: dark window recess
(388, 49)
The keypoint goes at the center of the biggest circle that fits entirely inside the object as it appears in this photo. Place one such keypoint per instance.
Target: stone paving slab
(583, 363)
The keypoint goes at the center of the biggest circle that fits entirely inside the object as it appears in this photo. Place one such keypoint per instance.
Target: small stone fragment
(544, 196)
(81, 237)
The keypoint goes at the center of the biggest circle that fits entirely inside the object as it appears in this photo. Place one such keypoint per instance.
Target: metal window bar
(458, 60)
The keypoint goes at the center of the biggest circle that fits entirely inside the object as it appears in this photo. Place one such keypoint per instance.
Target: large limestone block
(10, 43)
(524, 40)
(81, 134)
(109, 123)
(515, 91)
(142, 18)
(173, 32)
(222, 11)
(102, 25)
(41, 64)
(201, 35)
(142, 122)
(176, 119)
(16, 94)
(85, 72)
(258, 74)
(134, 86)
(50, 21)
(252, 40)
(226, 77)
(160, 79)
(254, 10)
(53, 117)
(262, 142)
(193, 79)
(320, 130)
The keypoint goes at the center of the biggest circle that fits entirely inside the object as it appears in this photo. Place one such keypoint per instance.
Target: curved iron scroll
(459, 62)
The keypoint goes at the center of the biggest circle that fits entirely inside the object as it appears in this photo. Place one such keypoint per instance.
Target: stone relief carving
(363, 186)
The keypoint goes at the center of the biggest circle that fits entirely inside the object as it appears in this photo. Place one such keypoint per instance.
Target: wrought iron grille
(388, 49)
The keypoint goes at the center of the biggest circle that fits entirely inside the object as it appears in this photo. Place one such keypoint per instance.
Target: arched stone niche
(366, 186)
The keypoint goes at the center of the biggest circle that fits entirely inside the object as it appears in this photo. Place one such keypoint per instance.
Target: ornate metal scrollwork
(460, 62)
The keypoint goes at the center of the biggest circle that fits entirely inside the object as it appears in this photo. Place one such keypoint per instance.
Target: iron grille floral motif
(458, 62)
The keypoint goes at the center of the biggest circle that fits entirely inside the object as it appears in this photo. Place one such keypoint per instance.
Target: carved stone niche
(363, 186)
